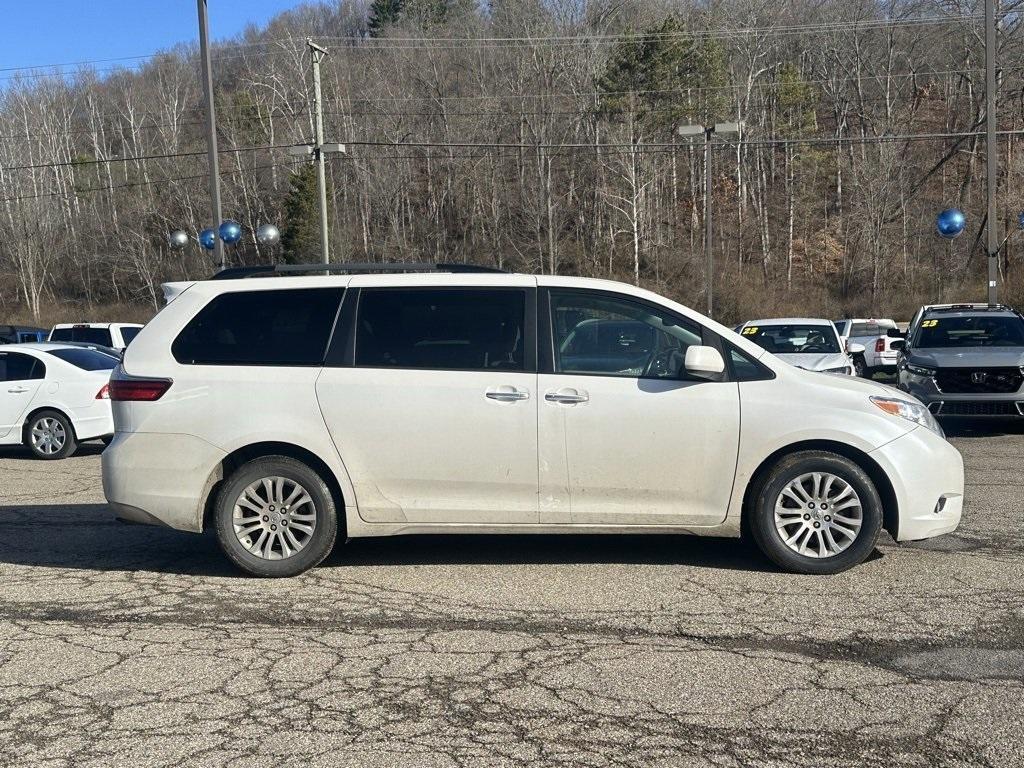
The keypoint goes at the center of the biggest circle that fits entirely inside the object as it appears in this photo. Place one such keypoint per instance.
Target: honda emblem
(979, 377)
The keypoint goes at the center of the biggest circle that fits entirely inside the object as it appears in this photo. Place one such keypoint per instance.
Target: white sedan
(809, 343)
(54, 396)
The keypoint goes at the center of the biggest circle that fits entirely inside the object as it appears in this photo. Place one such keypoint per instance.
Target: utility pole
(317, 53)
(991, 149)
(211, 131)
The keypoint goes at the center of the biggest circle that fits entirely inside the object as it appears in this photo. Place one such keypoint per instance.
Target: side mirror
(896, 333)
(898, 345)
(855, 349)
(704, 363)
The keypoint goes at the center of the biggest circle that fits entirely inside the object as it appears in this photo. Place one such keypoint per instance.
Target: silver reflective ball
(268, 234)
(178, 239)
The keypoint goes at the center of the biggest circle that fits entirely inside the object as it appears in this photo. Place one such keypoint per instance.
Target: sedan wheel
(50, 436)
(275, 516)
(815, 512)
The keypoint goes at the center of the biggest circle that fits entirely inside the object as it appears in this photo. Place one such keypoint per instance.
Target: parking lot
(130, 645)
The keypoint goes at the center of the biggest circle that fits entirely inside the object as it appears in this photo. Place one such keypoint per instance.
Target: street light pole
(709, 254)
(990, 148)
(317, 53)
(211, 130)
(694, 133)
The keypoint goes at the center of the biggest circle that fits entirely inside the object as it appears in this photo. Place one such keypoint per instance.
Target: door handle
(18, 390)
(507, 395)
(567, 397)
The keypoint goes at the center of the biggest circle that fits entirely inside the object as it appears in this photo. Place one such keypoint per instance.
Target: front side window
(15, 366)
(798, 338)
(479, 329)
(83, 333)
(277, 327)
(608, 335)
(978, 331)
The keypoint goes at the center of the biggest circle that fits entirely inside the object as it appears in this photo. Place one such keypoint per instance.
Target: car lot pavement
(129, 645)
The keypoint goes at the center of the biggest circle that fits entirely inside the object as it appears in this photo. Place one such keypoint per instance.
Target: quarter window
(277, 327)
(15, 366)
(606, 335)
(453, 329)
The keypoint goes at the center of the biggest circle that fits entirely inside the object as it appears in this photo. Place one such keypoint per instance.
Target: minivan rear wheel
(275, 517)
(816, 512)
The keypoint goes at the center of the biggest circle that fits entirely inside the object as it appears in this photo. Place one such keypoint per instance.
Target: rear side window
(86, 359)
(282, 327)
(15, 366)
(84, 333)
(455, 329)
(128, 334)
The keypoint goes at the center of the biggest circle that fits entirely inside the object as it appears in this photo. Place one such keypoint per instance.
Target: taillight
(138, 390)
(879, 345)
(104, 393)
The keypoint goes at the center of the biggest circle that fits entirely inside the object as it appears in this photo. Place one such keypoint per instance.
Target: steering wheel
(665, 364)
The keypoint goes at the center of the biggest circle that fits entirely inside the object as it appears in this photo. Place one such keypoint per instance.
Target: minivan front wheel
(816, 512)
(275, 516)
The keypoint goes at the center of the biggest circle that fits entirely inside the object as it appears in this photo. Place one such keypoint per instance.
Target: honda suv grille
(979, 380)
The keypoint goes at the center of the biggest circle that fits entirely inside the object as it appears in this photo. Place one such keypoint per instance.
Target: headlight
(914, 412)
(845, 369)
(919, 370)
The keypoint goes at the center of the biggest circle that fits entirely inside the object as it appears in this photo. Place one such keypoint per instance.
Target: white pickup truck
(871, 334)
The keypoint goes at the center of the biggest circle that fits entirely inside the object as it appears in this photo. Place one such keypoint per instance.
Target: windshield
(86, 359)
(794, 339)
(977, 331)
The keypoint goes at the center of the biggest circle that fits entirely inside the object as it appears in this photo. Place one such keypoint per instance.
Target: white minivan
(393, 399)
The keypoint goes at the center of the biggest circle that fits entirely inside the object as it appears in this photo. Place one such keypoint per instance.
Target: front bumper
(160, 478)
(927, 475)
(940, 403)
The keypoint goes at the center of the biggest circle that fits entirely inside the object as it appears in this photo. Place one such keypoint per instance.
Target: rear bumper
(160, 478)
(94, 421)
(927, 475)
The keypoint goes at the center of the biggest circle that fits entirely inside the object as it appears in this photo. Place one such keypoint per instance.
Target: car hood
(977, 357)
(815, 361)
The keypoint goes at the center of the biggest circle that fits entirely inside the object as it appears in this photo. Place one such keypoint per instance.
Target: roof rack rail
(967, 307)
(351, 268)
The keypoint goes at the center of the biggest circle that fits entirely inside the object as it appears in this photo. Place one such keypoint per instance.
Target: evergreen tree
(300, 233)
(649, 74)
(383, 13)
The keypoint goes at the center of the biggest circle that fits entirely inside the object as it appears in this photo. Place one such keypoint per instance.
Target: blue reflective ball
(950, 223)
(230, 231)
(208, 239)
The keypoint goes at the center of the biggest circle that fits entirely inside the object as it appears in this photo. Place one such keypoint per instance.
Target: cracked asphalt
(137, 646)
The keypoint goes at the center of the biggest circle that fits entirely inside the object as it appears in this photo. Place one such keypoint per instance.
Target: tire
(49, 435)
(810, 550)
(260, 542)
(860, 368)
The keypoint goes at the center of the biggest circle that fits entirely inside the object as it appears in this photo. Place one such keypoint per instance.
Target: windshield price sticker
(929, 323)
(750, 331)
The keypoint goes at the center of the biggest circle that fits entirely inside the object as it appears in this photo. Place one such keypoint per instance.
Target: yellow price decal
(929, 323)
(750, 331)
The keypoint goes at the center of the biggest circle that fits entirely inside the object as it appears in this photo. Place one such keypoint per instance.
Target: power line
(137, 158)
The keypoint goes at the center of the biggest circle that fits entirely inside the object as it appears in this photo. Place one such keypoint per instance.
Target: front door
(626, 438)
(435, 415)
(20, 377)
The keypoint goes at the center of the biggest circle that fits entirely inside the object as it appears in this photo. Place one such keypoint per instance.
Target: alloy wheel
(274, 518)
(818, 514)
